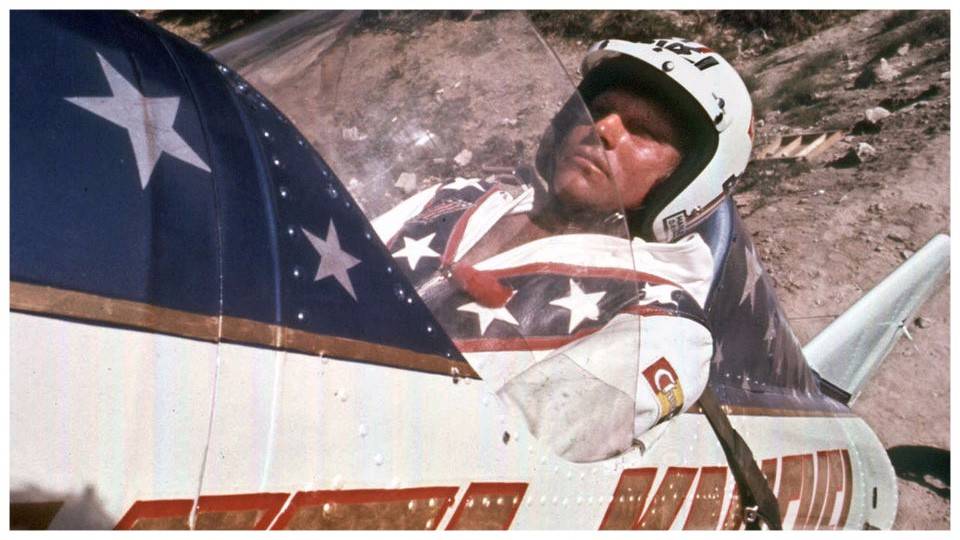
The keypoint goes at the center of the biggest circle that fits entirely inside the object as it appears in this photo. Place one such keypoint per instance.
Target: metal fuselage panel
(124, 415)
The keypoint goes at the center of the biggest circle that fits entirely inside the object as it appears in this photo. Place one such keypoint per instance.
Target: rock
(945, 75)
(407, 183)
(906, 254)
(353, 185)
(895, 237)
(903, 49)
(511, 122)
(463, 158)
(878, 249)
(876, 114)
(866, 151)
(884, 72)
(922, 322)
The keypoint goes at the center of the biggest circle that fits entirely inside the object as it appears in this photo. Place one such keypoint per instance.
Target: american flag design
(535, 317)
(143, 171)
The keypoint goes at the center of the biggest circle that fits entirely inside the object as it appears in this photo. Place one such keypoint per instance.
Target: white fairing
(103, 418)
(122, 413)
(849, 351)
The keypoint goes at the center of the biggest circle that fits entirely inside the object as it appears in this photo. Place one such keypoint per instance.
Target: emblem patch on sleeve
(666, 387)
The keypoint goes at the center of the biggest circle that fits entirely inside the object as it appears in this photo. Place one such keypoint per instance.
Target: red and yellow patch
(665, 383)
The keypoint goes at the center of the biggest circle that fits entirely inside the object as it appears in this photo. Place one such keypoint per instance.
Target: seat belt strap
(757, 498)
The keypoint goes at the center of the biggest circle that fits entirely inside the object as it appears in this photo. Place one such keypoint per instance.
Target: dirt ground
(830, 234)
(828, 229)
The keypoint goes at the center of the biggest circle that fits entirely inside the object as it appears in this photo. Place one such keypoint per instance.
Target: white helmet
(712, 100)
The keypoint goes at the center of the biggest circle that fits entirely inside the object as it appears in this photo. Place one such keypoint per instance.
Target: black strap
(756, 497)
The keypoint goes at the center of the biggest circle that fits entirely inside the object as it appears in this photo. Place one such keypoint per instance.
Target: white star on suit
(754, 271)
(460, 183)
(334, 261)
(581, 305)
(488, 315)
(661, 294)
(148, 121)
(414, 250)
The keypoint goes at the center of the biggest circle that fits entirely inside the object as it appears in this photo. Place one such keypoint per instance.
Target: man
(594, 338)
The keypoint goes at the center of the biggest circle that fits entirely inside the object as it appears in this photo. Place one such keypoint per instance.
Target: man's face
(638, 148)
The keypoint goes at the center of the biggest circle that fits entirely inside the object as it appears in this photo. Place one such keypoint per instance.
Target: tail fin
(849, 351)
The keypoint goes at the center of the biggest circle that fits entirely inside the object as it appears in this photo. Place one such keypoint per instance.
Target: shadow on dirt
(34, 508)
(926, 466)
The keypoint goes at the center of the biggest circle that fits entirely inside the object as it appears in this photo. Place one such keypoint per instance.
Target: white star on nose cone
(488, 315)
(414, 250)
(148, 121)
(661, 294)
(460, 183)
(333, 260)
(581, 305)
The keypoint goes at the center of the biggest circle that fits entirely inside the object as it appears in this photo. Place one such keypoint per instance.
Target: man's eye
(637, 127)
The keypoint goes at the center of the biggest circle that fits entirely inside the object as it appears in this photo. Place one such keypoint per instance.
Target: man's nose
(610, 129)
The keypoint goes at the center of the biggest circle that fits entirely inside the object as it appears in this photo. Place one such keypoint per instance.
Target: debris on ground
(407, 183)
(876, 114)
(463, 158)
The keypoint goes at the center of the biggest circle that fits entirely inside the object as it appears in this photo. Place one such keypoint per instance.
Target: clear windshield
(467, 146)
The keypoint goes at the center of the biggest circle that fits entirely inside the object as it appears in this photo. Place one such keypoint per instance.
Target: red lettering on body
(707, 499)
(628, 498)
(806, 491)
(666, 503)
(214, 512)
(488, 506)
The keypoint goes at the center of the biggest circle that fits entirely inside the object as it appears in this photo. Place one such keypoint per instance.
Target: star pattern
(771, 331)
(754, 271)
(661, 294)
(334, 261)
(148, 121)
(461, 183)
(487, 315)
(414, 250)
(580, 304)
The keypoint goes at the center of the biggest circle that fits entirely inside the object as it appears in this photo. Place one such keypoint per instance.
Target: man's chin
(582, 192)
(593, 201)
